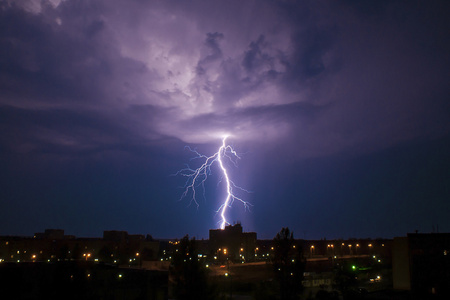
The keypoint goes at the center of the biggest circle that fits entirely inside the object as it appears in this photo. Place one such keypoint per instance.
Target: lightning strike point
(197, 177)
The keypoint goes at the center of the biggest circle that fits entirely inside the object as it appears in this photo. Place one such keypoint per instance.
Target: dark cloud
(83, 53)
(108, 81)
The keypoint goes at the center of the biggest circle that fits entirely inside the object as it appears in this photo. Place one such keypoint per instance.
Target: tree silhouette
(345, 281)
(188, 273)
(289, 264)
(105, 254)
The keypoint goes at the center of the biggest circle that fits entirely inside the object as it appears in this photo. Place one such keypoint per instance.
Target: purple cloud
(332, 77)
(339, 105)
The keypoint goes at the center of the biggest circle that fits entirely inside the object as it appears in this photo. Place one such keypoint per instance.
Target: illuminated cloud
(281, 71)
(86, 86)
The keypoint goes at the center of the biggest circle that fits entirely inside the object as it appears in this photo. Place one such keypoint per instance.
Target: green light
(354, 267)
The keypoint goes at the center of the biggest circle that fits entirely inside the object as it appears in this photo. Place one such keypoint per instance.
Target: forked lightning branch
(196, 178)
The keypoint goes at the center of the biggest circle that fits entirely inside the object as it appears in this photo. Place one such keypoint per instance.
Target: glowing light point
(197, 177)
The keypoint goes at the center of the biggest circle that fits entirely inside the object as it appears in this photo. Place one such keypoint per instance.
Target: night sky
(339, 111)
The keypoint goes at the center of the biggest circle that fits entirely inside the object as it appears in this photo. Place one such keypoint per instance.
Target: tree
(345, 280)
(188, 273)
(105, 254)
(289, 264)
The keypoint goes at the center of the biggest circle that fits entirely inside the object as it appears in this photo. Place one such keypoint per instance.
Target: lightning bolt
(197, 177)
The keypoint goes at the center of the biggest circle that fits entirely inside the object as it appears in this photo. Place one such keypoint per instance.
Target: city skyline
(339, 113)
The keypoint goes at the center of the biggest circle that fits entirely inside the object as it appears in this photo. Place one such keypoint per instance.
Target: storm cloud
(306, 79)
(200, 70)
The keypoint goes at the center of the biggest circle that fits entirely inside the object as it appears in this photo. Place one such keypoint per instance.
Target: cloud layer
(320, 76)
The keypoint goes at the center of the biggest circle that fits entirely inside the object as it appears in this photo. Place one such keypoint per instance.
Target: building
(116, 247)
(232, 243)
(421, 264)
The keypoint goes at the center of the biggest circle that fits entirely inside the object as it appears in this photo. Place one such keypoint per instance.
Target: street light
(330, 246)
